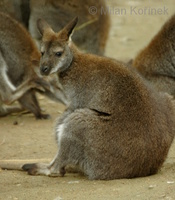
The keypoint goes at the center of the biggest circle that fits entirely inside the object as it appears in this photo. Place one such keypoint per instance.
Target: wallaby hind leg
(55, 168)
(6, 110)
(30, 102)
(71, 133)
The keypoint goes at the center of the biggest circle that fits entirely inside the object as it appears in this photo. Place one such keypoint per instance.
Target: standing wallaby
(115, 126)
(93, 34)
(157, 61)
(18, 57)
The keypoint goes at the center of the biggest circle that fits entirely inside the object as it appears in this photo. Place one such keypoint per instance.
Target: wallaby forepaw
(62, 171)
(42, 83)
(36, 84)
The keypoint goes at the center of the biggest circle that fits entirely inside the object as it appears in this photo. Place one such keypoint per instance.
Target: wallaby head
(55, 51)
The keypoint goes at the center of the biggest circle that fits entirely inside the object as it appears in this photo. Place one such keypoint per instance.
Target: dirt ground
(33, 139)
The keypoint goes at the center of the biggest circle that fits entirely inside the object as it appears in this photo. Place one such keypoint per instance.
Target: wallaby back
(18, 9)
(91, 38)
(156, 62)
(18, 49)
(115, 126)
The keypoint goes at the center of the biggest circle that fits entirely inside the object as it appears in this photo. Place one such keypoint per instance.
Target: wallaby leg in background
(8, 92)
(8, 109)
(26, 96)
(30, 102)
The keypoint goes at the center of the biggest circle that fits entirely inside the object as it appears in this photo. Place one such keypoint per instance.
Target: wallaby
(18, 57)
(18, 9)
(156, 62)
(115, 125)
(94, 25)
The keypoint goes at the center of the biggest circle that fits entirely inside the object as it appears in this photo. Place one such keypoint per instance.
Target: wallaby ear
(43, 26)
(67, 31)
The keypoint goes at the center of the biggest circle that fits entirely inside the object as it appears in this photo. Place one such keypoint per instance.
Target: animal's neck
(76, 58)
(76, 52)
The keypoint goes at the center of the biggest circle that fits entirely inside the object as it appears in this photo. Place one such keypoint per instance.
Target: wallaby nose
(45, 70)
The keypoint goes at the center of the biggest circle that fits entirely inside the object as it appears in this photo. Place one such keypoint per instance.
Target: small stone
(15, 123)
(58, 198)
(152, 186)
(170, 182)
(72, 182)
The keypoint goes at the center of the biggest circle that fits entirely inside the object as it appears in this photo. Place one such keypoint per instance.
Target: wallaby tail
(17, 164)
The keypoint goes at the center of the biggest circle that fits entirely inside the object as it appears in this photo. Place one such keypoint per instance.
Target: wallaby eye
(42, 53)
(58, 53)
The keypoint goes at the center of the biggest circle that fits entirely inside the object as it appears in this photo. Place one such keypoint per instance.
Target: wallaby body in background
(18, 57)
(157, 61)
(17, 9)
(91, 38)
(115, 126)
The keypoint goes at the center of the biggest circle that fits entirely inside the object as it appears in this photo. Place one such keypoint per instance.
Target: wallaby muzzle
(45, 70)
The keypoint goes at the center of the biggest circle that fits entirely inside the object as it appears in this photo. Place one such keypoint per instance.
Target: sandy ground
(34, 139)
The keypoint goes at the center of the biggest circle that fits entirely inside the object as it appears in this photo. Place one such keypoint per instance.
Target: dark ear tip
(39, 21)
(76, 18)
(42, 25)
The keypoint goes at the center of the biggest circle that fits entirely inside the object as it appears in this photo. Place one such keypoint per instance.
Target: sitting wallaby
(157, 61)
(115, 126)
(18, 57)
(94, 25)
